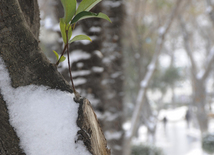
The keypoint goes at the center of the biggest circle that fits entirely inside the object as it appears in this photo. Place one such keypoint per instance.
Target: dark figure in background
(164, 122)
(187, 118)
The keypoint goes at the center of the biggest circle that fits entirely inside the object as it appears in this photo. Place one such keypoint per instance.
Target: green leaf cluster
(73, 15)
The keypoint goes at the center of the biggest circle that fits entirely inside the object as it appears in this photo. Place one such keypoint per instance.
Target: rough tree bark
(26, 64)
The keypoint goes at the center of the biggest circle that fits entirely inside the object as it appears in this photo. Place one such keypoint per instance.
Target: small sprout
(57, 57)
(67, 24)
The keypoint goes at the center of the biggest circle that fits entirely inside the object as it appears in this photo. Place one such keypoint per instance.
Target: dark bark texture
(26, 64)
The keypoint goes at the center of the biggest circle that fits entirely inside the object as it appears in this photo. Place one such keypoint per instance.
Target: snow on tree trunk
(112, 79)
(37, 112)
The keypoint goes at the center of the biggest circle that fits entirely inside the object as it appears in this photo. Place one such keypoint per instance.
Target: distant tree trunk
(198, 80)
(146, 80)
(199, 100)
(26, 64)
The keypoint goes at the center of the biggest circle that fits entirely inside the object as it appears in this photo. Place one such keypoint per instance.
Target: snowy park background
(176, 138)
(165, 54)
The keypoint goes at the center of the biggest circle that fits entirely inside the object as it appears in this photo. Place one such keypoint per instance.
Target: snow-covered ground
(176, 138)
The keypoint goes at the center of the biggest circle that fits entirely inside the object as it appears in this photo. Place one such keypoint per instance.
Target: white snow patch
(151, 66)
(80, 73)
(209, 9)
(117, 147)
(76, 56)
(173, 114)
(98, 53)
(143, 84)
(48, 23)
(110, 116)
(97, 69)
(196, 151)
(44, 119)
(93, 100)
(95, 29)
(113, 135)
(116, 74)
(80, 64)
(200, 74)
(113, 4)
(79, 81)
(161, 30)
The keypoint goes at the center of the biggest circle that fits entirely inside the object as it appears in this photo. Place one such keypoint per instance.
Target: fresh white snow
(97, 69)
(75, 56)
(79, 81)
(80, 73)
(110, 135)
(44, 119)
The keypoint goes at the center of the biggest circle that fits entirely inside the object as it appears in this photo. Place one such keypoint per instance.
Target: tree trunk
(27, 65)
(199, 100)
(112, 79)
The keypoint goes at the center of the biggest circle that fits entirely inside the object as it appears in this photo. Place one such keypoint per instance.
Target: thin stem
(69, 66)
(57, 63)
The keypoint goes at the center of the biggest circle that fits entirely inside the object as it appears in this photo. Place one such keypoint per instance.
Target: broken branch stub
(90, 131)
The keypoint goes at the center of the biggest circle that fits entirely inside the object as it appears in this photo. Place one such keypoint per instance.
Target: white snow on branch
(161, 30)
(80, 73)
(209, 9)
(113, 135)
(95, 29)
(143, 84)
(116, 74)
(97, 69)
(111, 116)
(200, 74)
(44, 119)
(112, 4)
(75, 56)
(80, 64)
(79, 81)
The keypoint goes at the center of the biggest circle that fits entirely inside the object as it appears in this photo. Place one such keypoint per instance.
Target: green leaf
(69, 28)
(69, 9)
(86, 5)
(62, 59)
(56, 54)
(63, 28)
(86, 14)
(57, 57)
(80, 37)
